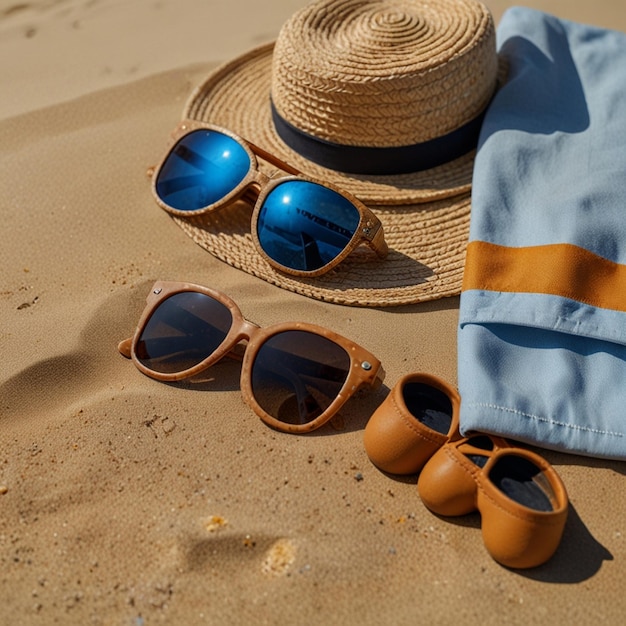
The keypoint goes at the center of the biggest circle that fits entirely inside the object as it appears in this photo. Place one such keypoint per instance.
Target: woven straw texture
(390, 74)
(402, 73)
(366, 73)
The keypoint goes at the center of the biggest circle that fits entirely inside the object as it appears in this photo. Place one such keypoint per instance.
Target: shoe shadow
(579, 556)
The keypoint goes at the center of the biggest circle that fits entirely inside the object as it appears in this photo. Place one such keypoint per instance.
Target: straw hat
(383, 98)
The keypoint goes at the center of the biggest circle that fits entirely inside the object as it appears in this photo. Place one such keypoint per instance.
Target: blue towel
(542, 328)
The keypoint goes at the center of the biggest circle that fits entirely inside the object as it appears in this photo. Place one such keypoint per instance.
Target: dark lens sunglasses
(299, 225)
(295, 376)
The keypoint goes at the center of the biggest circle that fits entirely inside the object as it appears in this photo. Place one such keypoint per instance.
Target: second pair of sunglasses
(295, 376)
(301, 226)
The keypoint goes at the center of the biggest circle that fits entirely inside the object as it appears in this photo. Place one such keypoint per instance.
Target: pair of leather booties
(521, 499)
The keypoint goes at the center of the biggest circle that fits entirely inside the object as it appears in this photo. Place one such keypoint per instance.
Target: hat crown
(384, 73)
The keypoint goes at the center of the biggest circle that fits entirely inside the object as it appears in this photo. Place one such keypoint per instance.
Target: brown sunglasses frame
(255, 187)
(365, 369)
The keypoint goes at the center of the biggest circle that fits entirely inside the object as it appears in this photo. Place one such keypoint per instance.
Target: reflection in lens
(304, 226)
(183, 331)
(202, 168)
(297, 374)
(522, 481)
(429, 405)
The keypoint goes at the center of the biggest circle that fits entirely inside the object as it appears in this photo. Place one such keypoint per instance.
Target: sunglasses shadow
(225, 375)
(355, 414)
(222, 376)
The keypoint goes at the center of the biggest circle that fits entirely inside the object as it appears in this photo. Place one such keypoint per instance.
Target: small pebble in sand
(3, 489)
(279, 558)
(215, 522)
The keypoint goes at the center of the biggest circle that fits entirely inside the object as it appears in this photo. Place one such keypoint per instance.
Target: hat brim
(425, 262)
(425, 215)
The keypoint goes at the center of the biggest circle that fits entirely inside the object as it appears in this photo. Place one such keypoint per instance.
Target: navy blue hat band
(380, 161)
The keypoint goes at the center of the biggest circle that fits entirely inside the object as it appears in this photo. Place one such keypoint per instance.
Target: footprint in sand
(223, 549)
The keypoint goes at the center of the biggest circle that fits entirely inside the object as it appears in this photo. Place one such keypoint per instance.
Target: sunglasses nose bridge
(256, 182)
(247, 330)
(259, 178)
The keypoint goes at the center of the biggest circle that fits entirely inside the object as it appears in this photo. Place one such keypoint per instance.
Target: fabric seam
(538, 418)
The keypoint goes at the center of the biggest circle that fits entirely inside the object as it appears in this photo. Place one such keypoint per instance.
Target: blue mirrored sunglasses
(299, 225)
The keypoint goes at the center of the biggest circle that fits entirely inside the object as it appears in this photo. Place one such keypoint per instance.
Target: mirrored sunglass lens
(202, 168)
(429, 405)
(183, 331)
(304, 226)
(297, 374)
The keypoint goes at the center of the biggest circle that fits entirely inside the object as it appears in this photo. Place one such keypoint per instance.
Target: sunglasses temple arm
(270, 158)
(124, 347)
(378, 244)
(380, 377)
(307, 404)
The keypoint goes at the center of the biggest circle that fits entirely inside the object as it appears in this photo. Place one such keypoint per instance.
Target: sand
(126, 501)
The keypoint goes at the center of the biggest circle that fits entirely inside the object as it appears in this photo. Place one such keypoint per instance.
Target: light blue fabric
(550, 168)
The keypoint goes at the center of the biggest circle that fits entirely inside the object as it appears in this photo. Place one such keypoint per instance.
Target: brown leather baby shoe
(412, 423)
(522, 500)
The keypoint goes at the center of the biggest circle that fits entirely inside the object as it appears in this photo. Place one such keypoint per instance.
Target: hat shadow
(361, 269)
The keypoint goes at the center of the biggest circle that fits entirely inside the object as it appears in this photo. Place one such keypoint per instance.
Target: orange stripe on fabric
(555, 269)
